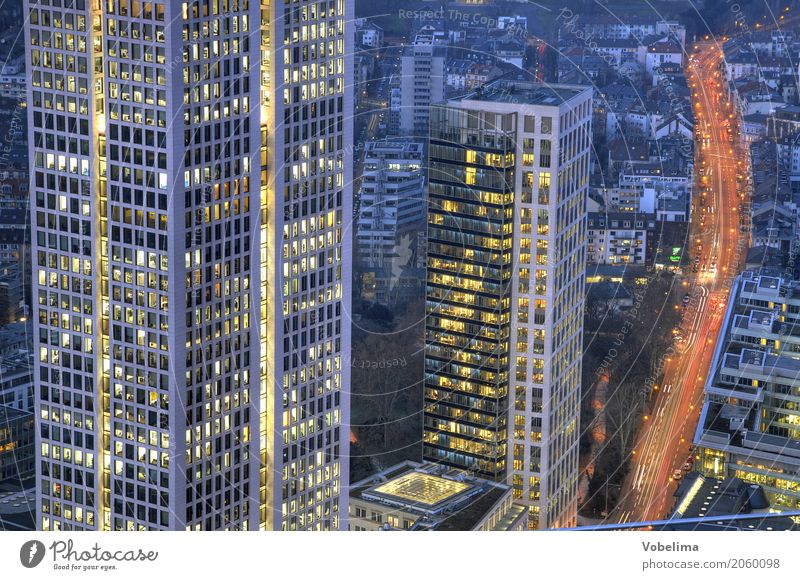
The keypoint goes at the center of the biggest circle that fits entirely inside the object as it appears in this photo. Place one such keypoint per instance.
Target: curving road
(663, 443)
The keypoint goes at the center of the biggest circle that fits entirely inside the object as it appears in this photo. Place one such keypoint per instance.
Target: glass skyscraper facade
(191, 265)
(509, 171)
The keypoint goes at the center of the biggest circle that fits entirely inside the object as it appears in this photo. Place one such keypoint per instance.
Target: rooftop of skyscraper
(707, 497)
(436, 497)
(525, 93)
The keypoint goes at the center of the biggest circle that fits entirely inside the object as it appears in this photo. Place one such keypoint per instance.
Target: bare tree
(622, 412)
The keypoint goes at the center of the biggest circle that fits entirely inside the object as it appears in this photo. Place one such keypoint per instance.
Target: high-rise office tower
(422, 79)
(391, 201)
(509, 170)
(191, 181)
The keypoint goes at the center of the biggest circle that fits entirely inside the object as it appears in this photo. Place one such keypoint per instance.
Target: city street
(715, 247)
